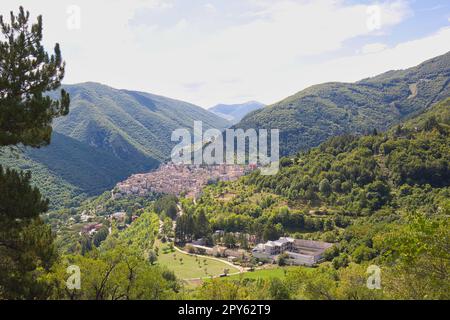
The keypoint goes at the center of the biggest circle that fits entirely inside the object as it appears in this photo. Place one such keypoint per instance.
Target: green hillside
(347, 181)
(382, 199)
(361, 174)
(317, 113)
(122, 121)
(108, 135)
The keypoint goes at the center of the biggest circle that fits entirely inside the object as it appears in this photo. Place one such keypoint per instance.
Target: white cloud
(373, 48)
(264, 56)
(182, 24)
(404, 55)
(210, 8)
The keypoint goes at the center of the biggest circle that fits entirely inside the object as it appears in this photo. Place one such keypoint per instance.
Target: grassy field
(276, 272)
(190, 267)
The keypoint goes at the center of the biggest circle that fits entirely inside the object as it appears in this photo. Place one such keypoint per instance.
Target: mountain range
(108, 135)
(317, 113)
(235, 112)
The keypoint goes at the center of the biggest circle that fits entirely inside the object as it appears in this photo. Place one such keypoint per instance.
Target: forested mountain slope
(347, 180)
(382, 199)
(360, 174)
(108, 135)
(317, 113)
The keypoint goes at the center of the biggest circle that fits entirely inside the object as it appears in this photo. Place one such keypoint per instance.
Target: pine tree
(26, 243)
(27, 74)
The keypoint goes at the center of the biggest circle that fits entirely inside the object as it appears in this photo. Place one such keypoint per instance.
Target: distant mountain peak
(235, 112)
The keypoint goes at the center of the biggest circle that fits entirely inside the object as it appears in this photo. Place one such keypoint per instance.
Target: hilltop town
(187, 180)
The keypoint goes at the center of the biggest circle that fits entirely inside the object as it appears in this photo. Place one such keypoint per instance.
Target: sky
(231, 51)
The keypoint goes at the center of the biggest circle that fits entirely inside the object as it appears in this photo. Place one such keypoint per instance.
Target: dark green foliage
(282, 259)
(26, 243)
(278, 290)
(26, 254)
(152, 257)
(365, 169)
(18, 199)
(26, 73)
(325, 187)
(166, 205)
(320, 112)
(229, 240)
(185, 229)
(100, 236)
(272, 232)
(202, 227)
(341, 261)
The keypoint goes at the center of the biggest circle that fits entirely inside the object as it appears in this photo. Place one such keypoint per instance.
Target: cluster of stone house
(177, 179)
(299, 251)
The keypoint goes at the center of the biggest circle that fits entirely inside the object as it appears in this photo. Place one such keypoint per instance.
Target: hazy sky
(230, 51)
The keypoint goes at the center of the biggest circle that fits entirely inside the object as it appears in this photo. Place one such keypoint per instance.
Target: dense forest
(382, 199)
(320, 112)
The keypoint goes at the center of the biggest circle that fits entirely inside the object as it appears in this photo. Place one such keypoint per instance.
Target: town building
(300, 252)
(188, 180)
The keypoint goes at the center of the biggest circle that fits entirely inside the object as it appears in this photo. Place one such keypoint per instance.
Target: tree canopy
(27, 74)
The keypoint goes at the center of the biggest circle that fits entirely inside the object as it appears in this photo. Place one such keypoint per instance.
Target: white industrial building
(300, 252)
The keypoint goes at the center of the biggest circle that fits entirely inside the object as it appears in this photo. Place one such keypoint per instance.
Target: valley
(235, 112)
(109, 135)
(357, 193)
(100, 198)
